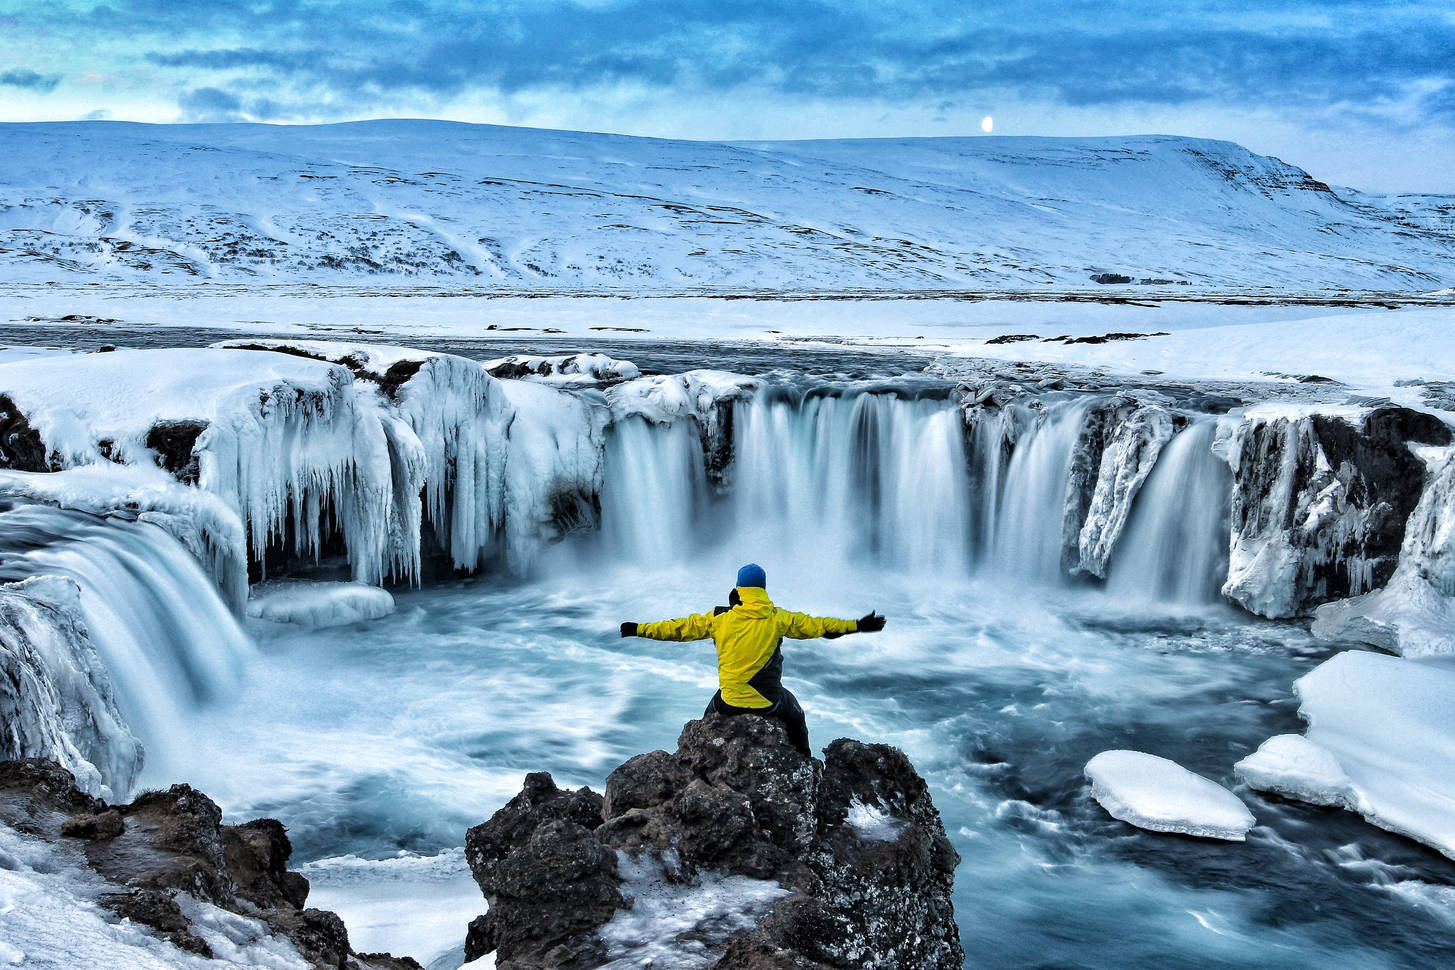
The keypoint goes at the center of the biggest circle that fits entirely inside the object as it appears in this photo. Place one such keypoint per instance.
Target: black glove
(629, 629)
(872, 623)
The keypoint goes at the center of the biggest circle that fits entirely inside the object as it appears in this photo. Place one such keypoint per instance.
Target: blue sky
(1359, 93)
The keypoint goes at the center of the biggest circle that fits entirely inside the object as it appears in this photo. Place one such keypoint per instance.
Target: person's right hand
(629, 629)
(872, 623)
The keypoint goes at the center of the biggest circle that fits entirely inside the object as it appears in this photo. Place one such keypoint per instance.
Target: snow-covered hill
(411, 202)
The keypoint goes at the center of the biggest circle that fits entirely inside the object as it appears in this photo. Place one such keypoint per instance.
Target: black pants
(787, 710)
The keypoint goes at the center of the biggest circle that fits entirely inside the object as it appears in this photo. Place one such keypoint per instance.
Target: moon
(986, 124)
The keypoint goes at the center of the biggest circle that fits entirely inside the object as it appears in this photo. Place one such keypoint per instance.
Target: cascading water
(1027, 538)
(166, 638)
(831, 476)
(1176, 545)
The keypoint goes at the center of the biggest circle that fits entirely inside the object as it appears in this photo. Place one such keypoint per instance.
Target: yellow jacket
(748, 637)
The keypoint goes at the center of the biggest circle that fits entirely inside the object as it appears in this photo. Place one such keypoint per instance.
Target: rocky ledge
(153, 854)
(735, 852)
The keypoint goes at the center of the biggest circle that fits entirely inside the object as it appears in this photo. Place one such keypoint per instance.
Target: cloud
(210, 105)
(30, 80)
(100, 114)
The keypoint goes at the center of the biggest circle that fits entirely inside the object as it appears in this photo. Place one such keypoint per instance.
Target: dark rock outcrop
(1320, 504)
(170, 842)
(735, 800)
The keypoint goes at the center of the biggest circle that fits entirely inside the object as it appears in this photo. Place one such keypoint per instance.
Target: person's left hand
(629, 629)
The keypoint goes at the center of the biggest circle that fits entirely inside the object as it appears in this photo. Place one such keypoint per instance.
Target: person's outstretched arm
(801, 626)
(698, 626)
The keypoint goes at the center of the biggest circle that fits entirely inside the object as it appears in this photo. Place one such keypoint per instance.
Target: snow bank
(569, 369)
(316, 605)
(56, 698)
(1377, 743)
(1162, 796)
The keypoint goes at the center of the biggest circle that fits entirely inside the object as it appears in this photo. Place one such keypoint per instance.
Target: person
(749, 634)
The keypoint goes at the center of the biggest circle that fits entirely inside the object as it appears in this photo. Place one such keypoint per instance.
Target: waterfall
(1175, 548)
(1027, 539)
(870, 475)
(168, 641)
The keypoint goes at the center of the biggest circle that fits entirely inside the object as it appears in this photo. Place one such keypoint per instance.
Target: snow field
(1162, 796)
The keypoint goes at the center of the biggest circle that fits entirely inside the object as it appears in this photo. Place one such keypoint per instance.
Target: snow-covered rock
(315, 604)
(56, 698)
(572, 370)
(1378, 743)
(1162, 796)
(703, 396)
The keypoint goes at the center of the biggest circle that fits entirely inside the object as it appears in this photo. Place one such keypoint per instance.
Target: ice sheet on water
(1378, 743)
(681, 925)
(315, 604)
(1162, 796)
(366, 893)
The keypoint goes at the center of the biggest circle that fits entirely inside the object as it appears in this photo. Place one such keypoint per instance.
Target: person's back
(749, 635)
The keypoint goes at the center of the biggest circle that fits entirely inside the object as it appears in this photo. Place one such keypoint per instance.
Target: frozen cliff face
(1119, 445)
(1414, 614)
(553, 475)
(56, 699)
(743, 847)
(1320, 503)
(703, 396)
(312, 445)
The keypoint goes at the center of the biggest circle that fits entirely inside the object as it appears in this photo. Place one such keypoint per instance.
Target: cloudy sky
(1359, 92)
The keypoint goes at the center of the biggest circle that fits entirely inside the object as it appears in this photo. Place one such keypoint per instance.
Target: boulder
(849, 858)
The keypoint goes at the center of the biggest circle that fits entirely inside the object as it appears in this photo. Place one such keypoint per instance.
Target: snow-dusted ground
(549, 210)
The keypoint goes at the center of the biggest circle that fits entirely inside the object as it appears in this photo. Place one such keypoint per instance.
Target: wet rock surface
(167, 843)
(734, 800)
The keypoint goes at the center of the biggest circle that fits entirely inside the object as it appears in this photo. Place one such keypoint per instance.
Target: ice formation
(1414, 614)
(56, 698)
(1377, 743)
(1162, 796)
(316, 604)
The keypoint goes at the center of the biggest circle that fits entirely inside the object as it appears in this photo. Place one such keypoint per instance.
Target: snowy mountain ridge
(404, 203)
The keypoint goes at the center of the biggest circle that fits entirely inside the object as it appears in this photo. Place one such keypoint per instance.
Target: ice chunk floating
(1162, 796)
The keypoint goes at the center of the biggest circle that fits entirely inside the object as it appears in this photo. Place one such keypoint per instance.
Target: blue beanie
(752, 575)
